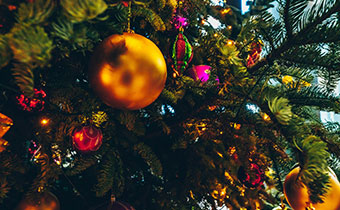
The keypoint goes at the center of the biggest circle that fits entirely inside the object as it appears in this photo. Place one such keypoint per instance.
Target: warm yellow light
(266, 117)
(229, 27)
(44, 121)
(220, 154)
(215, 34)
(236, 126)
(230, 42)
(203, 21)
(225, 11)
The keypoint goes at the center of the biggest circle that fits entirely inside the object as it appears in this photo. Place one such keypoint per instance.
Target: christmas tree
(109, 104)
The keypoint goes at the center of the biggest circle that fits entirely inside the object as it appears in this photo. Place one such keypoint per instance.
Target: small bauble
(296, 193)
(87, 138)
(201, 72)
(127, 71)
(44, 201)
(117, 205)
(251, 177)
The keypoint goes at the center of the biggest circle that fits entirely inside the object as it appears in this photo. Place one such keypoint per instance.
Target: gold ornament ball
(296, 193)
(44, 201)
(127, 71)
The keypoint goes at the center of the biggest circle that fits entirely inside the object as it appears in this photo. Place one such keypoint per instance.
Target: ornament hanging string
(129, 19)
(74, 187)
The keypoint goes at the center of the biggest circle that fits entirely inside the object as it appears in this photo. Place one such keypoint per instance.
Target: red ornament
(252, 177)
(254, 56)
(35, 103)
(87, 138)
(117, 205)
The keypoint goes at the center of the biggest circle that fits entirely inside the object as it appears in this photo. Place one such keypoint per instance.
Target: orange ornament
(296, 193)
(44, 201)
(127, 71)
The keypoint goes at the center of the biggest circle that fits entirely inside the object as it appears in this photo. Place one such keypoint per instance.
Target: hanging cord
(129, 19)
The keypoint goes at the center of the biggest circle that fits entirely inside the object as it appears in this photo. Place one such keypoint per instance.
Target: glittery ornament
(182, 53)
(179, 21)
(35, 103)
(255, 52)
(251, 177)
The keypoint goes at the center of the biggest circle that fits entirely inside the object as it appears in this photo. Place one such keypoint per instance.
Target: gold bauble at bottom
(127, 71)
(296, 193)
(43, 201)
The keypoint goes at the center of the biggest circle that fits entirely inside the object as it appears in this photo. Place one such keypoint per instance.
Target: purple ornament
(200, 72)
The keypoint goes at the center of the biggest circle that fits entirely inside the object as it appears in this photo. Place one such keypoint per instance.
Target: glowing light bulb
(44, 121)
(230, 42)
(225, 11)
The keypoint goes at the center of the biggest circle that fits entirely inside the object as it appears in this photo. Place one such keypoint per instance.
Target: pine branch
(286, 16)
(314, 96)
(85, 10)
(317, 21)
(110, 176)
(35, 12)
(5, 51)
(314, 171)
(153, 18)
(150, 158)
(24, 78)
(31, 45)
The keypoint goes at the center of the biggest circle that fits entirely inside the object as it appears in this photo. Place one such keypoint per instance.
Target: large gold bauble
(127, 71)
(44, 201)
(297, 195)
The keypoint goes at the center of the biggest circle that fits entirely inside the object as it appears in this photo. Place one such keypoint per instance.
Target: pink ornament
(200, 72)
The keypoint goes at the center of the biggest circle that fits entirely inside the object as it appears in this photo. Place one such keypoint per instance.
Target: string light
(236, 126)
(230, 42)
(215, 34)
(266, 117)
(229, 27)
(44, 121)
(203, 21)
(225, 11)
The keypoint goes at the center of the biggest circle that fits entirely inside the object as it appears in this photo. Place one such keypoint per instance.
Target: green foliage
(5, 51)
(24, 78)
(81, 164)
(35, 12)
(150, 158)
(31, 45)
(76, 35)
(280, 108)
(314, 96)
(110, 175)
(153, 18)
(82, 10)
(314, 171)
